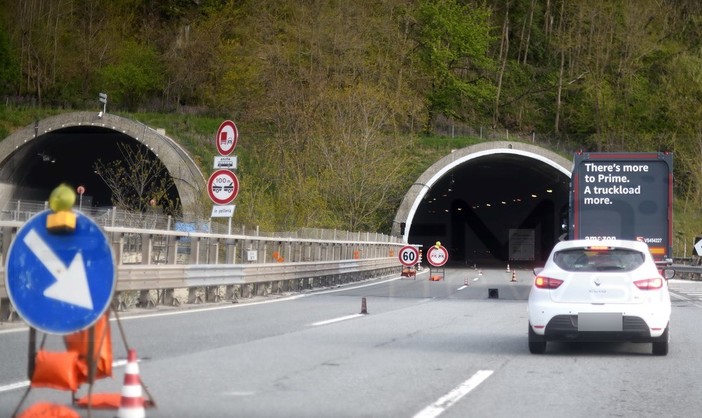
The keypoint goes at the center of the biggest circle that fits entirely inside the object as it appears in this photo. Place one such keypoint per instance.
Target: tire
(537, 343)
(659, 347)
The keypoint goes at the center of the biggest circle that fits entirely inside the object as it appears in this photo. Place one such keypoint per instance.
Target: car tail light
(543, 282)
(649, 284)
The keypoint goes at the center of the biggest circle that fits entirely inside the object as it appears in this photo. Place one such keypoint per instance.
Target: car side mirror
(538, 270)
(668, 274)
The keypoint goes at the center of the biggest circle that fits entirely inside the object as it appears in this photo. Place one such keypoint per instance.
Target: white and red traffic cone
(131, 404)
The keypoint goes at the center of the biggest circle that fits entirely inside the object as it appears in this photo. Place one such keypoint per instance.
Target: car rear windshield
(608, 259)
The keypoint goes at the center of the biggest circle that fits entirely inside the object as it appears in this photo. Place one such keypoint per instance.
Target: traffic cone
(465, 282)
(131, 404)
(364, 308)
(507, 268)
(514, 277)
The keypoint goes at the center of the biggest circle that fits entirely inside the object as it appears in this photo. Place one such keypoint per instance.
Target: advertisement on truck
(623, 196)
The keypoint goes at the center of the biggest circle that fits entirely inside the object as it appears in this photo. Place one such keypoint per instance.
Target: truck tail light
(649, 284)
(543, 282)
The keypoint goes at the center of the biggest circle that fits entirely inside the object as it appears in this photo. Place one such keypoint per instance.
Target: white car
(600, 291)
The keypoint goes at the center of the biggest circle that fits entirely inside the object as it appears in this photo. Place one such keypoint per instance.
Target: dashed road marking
(446, 401)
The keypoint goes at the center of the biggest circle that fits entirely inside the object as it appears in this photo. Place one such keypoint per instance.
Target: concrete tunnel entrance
(489, 204)
(64, 148)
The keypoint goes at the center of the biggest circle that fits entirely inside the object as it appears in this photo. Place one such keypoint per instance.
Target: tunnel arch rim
(187, 176)
(426, 180)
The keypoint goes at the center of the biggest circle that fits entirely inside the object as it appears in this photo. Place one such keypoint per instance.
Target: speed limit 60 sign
(409, 255)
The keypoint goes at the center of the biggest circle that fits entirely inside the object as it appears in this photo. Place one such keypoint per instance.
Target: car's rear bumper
(565, 328)
(639, 322)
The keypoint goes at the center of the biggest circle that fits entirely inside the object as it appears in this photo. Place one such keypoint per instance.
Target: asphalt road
(423, 349)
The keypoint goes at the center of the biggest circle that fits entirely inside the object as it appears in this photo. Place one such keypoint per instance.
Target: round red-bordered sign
(223, 186)
(226, 137)
(437, 256)
(409, 255)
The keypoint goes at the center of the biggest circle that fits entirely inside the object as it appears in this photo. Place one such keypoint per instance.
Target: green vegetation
(342, 104)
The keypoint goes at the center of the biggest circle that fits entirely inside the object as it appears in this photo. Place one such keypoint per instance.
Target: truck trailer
(623, 196)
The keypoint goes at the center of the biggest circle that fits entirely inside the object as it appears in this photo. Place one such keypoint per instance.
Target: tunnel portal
(65, 149)
(493, 203)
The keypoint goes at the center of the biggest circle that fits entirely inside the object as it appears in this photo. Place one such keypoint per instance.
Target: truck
(623, 196)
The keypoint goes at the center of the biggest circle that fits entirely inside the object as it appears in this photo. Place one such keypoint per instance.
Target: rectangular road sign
(228, 163)
(223, 211)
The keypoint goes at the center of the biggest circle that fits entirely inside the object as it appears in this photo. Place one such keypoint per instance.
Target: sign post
(698, 246)
(409, 257)
(60, 283)
(223, 185)
(227, 136)
(437, 256)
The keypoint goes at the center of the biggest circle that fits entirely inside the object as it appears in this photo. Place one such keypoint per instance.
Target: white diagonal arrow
(71, 284)
(698, 247)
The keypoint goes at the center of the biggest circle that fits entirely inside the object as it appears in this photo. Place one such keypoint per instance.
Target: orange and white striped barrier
(131, 404)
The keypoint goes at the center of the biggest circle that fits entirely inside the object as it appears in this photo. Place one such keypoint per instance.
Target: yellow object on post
(61, 202)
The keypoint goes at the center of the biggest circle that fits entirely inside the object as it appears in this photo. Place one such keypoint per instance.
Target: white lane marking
(331, 321)
(13, 386)
(446, 401)
(476, 279)
(462, 287)
(679, 297)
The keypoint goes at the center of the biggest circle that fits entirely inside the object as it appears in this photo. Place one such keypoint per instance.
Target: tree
(9, 67)
(134, 76)
(453, 42)
(138, 180)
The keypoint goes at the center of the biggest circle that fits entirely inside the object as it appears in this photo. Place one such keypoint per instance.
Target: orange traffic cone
(514, 277)
(131, 405)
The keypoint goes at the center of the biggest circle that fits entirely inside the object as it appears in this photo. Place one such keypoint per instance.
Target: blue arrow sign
(60, 283)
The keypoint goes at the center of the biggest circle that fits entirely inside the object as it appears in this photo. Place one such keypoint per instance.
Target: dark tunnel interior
(495, 209)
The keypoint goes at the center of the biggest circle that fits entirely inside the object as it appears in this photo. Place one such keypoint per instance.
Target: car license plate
(600, 321)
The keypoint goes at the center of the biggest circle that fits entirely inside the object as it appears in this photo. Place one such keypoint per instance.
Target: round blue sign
(60, 283)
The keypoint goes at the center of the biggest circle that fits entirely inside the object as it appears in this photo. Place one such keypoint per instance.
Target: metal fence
(22, 210)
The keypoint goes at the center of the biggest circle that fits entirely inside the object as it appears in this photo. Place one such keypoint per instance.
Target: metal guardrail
(683, 271)
(154, 261)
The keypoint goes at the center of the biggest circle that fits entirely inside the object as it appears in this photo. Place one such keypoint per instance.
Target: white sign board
(521, 244)
(228, 163)
(223, 211)
(251, 255)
